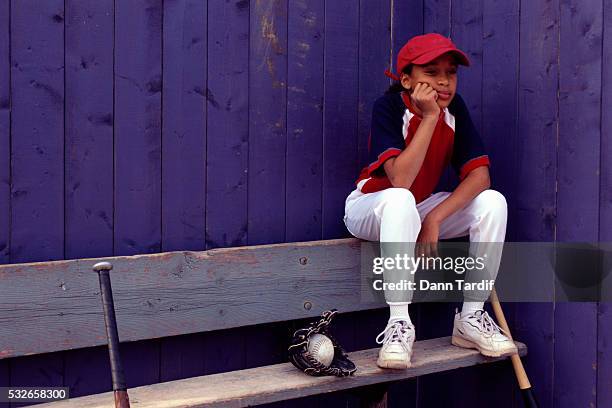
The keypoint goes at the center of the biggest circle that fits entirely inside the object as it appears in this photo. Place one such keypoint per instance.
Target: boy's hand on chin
(424, 97)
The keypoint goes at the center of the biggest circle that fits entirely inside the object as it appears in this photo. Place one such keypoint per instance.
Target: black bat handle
(110, 321)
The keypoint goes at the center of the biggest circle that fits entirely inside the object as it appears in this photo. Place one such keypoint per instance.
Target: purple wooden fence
(143, 126)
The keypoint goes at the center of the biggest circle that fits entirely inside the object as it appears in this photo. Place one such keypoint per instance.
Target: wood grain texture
(466, 23)
(437, 16)
(340, 168)
(138, 127)
(4, 379)
(500, 72)
(37, 128)
(227, 123)
(281, 381)
(83, 368)
(374, 43)
(407, 21)
(306, 37)
(176, 293)
(184, 125)
(575, 370)
(89, 128)
(536, 172)
(604, 323)
(5, 129)
(267, 121)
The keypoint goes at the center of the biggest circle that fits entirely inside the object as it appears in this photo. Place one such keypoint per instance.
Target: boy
(418, 127)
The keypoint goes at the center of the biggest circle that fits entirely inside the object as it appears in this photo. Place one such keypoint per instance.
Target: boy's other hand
(427, 241)
(424, 97)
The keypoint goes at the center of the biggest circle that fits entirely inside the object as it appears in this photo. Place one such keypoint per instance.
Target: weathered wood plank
(4, 379)
(407, 21)
(575, 369)
(500, 71)
(82, 371)
(89, 128)
(37, 156)
(184, 125)
(175, 293)
(227, 123)
(604, 324)
(282, 381)
(340, 167)
(305, 119)
(138, 127)
(437, 16)
(374, 43)
(536, 168)
(185, 41)
(267, 121)
(37, 121)
(5, 131)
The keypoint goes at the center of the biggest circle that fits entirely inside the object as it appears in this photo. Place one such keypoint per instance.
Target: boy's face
(440, 74)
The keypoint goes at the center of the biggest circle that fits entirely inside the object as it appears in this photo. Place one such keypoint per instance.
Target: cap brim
(462, 59)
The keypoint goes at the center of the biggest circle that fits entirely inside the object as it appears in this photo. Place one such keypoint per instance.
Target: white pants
(392, 215)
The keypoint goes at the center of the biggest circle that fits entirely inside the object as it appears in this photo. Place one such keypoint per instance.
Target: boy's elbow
(400, 182)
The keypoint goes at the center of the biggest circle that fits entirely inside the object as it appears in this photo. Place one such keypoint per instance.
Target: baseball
(321, 348)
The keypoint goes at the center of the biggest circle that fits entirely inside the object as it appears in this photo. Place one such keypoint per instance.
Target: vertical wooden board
(5, 126)
(138, 87)
(306, 19)
(437, 16)
(225, 350)
(575, 369)
(87, 371)
(227, 123)
(344, 329)
(141, 362)
(182, 357)
(340, 168)
(37, 121)
(183, 159)
(466, 27)
(4, 379)
(89, 128)
(407, 21)
(44, 370)
(536, 174)
(604, 334)
(374, 43)
(267, 121)
(500, 60)
(184, 125)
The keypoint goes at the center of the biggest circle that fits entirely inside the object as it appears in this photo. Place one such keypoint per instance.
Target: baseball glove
(299, 355)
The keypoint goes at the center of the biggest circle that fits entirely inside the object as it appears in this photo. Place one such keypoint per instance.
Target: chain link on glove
(299, 355)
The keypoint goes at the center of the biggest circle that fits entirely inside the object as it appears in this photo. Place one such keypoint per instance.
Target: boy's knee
(400, 197)
(399, 202)
(493, 202)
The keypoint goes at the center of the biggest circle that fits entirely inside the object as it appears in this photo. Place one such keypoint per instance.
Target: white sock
(471, 307)
(399, 311)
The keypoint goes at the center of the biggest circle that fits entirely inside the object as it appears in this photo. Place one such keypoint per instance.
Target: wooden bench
(179, 293)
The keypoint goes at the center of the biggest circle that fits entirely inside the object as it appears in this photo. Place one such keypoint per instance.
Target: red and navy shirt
(455, 140)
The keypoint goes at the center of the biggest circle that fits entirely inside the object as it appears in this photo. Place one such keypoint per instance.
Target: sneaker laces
(395, 332)
(486, 324)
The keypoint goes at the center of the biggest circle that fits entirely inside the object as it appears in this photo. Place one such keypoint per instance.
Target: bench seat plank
(283, 381)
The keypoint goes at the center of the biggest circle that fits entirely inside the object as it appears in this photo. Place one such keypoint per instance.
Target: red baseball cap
(423, 49)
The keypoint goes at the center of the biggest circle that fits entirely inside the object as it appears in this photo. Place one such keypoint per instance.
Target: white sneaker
(397, 340)
(479, 331)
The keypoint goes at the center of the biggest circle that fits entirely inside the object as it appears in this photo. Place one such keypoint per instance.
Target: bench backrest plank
(52, 306)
